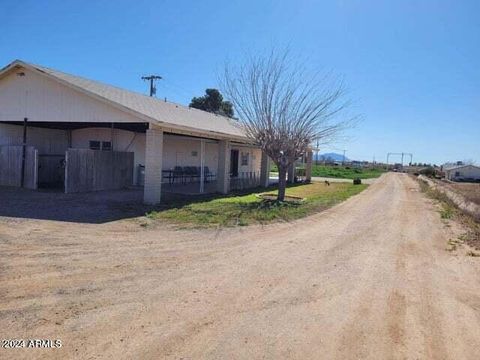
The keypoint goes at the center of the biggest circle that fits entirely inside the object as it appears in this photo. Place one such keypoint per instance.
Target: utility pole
(152, 79)
(343, 162)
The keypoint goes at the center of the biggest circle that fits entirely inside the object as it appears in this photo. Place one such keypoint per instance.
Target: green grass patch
(447, 212)
(246, 209)
(342, 172)
(345, 172)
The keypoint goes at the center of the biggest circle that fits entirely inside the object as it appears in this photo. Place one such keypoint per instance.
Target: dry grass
(451, 211)
(471, 191)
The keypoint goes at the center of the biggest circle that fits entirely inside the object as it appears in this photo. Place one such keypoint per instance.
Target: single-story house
(462, 173)
(58, 129)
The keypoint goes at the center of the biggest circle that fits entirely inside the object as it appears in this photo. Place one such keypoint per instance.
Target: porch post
(308, 166)
(202, 166)
(265, 170)
(291, 174)
(153, 166)
(223, 171)
(24, 152)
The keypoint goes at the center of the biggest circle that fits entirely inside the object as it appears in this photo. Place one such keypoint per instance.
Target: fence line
(245, 180)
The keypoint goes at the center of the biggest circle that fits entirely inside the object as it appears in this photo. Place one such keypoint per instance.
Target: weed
(447, 212)
(451, 211)
(473, 253)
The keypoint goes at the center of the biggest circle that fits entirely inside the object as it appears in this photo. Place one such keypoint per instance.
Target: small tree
(213, 102)
(284, 109)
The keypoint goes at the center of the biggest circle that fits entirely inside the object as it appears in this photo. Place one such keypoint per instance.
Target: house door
(234, 163)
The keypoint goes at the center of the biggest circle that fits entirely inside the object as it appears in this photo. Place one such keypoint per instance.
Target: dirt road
(368, 279)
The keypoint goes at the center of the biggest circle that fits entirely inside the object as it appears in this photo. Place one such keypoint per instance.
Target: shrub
(357, 181)
(429, 171)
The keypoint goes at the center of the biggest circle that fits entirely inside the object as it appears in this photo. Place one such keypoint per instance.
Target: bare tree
(283, 108)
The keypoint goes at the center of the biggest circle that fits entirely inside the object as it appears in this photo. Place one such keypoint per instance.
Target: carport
(59, 155)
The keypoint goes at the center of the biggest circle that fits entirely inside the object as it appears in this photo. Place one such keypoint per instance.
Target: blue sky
(412, 67)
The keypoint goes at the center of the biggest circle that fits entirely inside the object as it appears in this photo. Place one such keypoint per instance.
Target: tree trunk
(282, 183)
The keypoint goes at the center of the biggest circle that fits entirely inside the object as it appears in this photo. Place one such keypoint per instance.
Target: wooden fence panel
(11, 166)
(31, 168)
(94, 170)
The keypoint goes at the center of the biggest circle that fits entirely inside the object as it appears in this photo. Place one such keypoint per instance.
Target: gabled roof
(168, 114)
(456, 167)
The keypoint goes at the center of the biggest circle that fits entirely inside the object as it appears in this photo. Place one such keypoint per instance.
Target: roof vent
(21, 73)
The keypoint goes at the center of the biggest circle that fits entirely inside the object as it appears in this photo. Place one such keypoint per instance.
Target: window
(100, 145)
(94, 145)
(245, 157)
(107, 145)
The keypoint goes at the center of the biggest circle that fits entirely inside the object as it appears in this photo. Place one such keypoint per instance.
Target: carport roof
(167, 114)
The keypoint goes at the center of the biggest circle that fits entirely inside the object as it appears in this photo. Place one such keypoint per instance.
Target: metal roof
(456, 167)
(166, 114)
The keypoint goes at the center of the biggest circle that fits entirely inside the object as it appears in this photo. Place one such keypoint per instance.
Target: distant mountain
(330, 157)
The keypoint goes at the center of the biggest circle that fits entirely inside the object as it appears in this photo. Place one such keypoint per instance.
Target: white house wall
(39, 98)
(46, 141)
(468, 172)
(254, 159)
(181, 151)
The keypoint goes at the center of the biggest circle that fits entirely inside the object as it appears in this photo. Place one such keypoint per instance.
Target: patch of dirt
(288, 199)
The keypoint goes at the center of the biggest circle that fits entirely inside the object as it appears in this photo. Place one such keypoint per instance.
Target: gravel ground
(367, 279)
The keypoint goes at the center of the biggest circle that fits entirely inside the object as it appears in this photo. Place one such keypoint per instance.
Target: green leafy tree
(213, 102)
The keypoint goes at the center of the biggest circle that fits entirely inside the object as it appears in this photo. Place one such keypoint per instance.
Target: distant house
(462, 173)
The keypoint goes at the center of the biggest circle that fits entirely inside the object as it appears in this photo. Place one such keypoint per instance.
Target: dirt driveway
(369, 278)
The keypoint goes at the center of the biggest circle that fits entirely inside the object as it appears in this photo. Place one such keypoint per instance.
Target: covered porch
(192, 164)
(189, 164)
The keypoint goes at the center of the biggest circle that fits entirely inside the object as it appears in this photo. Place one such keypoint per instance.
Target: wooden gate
(93, 170)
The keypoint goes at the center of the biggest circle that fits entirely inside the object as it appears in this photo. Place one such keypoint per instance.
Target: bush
(429, 171)
(357, 181)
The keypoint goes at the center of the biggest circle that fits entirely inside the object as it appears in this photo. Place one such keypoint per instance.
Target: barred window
(245, 157)
(94, 145)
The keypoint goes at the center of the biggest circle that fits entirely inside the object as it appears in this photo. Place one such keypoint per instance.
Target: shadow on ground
(93, 207)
